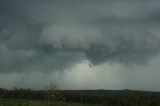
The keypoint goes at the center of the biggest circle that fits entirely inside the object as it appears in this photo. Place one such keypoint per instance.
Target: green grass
(21, 102)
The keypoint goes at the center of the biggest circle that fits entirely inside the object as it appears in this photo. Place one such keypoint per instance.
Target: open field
(24, 97)
(22, 102)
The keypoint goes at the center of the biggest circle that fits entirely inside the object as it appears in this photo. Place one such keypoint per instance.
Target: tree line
(113, 98)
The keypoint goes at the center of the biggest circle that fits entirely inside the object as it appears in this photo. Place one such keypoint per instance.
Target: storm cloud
(56, 35)
(52, 35)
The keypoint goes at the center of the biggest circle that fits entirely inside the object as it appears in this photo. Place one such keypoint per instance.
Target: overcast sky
(80, 44)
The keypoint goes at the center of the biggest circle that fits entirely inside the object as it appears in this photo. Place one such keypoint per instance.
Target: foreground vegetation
(21, 102)
(27, 97)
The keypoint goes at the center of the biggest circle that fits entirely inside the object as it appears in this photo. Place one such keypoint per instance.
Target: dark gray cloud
(54, 35)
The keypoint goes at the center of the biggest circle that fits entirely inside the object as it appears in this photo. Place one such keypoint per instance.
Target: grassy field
(21, 102)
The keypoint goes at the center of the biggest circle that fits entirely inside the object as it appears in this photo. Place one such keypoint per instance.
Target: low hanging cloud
(54, 35)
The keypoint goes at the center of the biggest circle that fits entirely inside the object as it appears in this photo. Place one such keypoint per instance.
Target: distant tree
(51, 91)
(15, 88)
